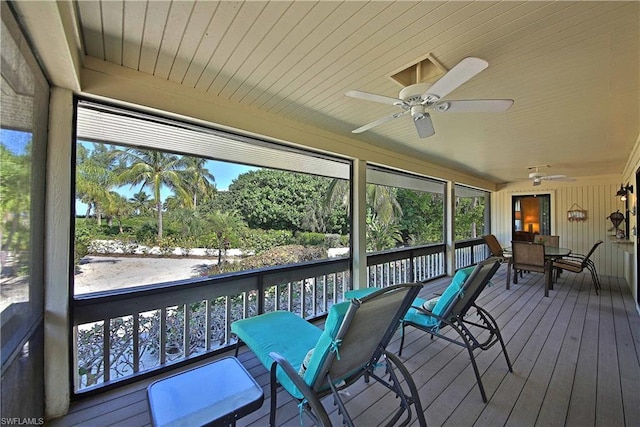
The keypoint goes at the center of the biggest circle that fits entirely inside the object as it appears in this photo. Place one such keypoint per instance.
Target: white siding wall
(594, 194)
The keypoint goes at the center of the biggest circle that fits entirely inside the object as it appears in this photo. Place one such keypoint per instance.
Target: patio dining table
(551, 253)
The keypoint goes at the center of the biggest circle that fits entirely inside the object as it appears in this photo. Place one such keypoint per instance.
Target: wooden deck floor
(576, 360)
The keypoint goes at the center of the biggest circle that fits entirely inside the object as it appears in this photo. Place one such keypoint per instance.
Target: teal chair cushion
(360, 293)
(326, 342)
(285, 333)
(292, 337)
(452, 291)
(444, 301)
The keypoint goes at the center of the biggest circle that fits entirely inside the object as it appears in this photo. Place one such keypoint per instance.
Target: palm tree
(140, 202)
(199, 179)
(94, 178)
(225, 225)
(381, 199)
(154, 169)
(117, 207)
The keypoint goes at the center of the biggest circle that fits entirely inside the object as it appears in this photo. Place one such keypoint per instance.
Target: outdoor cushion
(452, 291)
(429, 304)
(326, 342)
(281, 331)
(292, 337)
(444, 301)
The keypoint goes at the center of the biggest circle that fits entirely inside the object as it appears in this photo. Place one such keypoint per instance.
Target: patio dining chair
(552, 241)
(548, 240)
(530, 257)
(310, 363)
(577, 263)
(451, 309)
(497, 250)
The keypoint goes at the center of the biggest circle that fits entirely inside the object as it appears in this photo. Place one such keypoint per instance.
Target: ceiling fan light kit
(421, 96)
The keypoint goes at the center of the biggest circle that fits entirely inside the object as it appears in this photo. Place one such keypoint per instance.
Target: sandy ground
(99, 273)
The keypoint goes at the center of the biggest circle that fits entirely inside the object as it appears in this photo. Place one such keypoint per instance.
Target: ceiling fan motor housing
(535, 175)
(414, 92)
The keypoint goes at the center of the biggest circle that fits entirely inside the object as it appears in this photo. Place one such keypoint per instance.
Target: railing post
(136, 342)
(227, 316)
(186, 332)
(106, 350)
(412, 262)
(163, 336)
(262, 295)
(207, 324)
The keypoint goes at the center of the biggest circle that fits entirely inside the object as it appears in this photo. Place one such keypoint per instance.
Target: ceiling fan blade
(459, 74)
(424, 126)
(558, 178)
(474, 106)
(373, 97)
(379, 122)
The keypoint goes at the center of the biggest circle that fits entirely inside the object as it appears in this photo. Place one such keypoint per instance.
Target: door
(531, 215)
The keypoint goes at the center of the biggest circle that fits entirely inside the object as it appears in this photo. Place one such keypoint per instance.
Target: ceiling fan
(537, 177)
(418, 98)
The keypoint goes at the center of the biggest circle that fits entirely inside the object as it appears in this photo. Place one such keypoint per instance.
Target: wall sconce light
(623, 191)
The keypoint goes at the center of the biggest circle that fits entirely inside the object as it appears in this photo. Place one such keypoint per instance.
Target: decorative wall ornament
(617, 218)
(576, 213)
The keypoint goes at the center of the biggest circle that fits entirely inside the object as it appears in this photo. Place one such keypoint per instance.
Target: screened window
(23, 142)
(403, 209)
(471, 212)
(160, 200)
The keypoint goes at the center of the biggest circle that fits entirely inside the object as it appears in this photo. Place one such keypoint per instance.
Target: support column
(358, 226)
(57, 252)
(449, 212)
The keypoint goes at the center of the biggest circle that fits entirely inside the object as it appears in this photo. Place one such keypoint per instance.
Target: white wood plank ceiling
(571, 67)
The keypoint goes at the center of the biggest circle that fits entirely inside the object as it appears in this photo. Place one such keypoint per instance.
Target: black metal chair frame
(585, 262)
(456, 318)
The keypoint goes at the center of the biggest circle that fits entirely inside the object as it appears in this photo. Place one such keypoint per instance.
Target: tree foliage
(469, 218)
(15, 199)
(280, 200)
(422, 221)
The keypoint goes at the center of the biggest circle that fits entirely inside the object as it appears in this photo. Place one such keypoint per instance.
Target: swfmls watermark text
(17, 421)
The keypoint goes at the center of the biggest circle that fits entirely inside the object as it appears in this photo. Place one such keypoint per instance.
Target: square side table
(217, 393)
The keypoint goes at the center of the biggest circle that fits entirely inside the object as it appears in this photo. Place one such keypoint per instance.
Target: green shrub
(282, 255)
(147, 233)
(335, 240)
(262, 240)
(306, 238)
(84, 235)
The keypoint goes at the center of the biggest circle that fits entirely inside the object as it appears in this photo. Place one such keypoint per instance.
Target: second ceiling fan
(418, 99)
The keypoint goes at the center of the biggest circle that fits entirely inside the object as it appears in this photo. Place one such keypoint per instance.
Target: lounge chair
(311, 363)
(451, 309)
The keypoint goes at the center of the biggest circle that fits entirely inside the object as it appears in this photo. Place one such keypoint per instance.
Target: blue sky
(15, 141)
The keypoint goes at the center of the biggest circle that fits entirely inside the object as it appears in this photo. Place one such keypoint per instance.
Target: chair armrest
(423, 310)
(573, 257)
(309, 395)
